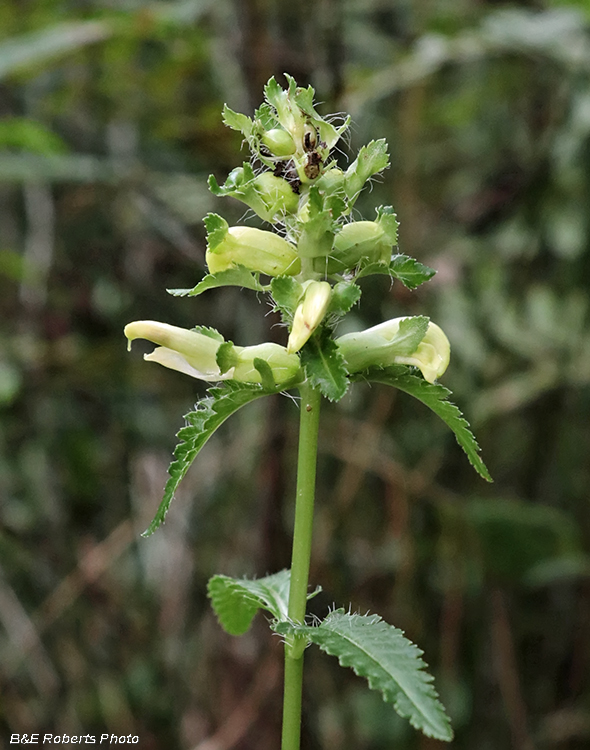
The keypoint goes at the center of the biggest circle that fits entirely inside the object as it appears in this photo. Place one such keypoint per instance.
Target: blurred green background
(110, 122)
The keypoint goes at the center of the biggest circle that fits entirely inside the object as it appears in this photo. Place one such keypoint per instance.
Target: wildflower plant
(309, 262)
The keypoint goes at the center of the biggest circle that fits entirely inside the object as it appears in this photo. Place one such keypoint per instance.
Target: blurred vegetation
(110, 124)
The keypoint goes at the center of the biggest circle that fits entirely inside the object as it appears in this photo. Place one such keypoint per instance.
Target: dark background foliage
(110, 124)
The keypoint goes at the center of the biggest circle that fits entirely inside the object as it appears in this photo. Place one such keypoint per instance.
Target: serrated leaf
(237, 121)
(237, 601)
(274, 94)
(435, 396)
(237, 276)
(235, 182)
(371, 159)
(266, 117)
(208, 415)
(408, 270)
(324, 365)
(387, 659)
(216, 227)
(345, 294)
(212, 333)
(286, 293)
(411, 332)
(387, 219)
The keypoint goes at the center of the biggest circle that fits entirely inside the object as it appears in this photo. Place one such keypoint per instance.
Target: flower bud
(190, 352)
(384, 345)
(309, 313)
(271, 197)
(276, 194)
(358, 240)
(279, 142)
(259, 251)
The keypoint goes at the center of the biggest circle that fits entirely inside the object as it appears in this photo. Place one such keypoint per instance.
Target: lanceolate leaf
(208, 415)
(238, 276)
(324, 365)
(236, 601)
(409, 271)
(389, 661)
(435, 396)
(238, 121)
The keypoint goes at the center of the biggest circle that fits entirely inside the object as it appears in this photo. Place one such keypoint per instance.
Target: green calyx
(269, 364)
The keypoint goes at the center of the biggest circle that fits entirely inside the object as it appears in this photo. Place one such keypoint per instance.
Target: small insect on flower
(313, 165)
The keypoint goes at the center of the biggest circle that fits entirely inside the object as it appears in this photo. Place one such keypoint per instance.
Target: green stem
(302, 535)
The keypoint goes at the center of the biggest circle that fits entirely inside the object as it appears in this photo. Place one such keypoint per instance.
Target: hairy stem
(302, 535)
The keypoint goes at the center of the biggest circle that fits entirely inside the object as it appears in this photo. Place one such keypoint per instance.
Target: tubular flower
(309, 313)
(384, 345)
(190, 352)
(196, 354)
(255, 249)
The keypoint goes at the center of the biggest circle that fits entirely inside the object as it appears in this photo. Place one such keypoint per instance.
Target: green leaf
(207, 416)
(217, 228)
(409, 271)
(317, 233)
(387, 659)
(345, 294)
(324, 365)
(435, 397)
(286, 293)
(226, 357)
(213, 333)
(275, 95)
(237, 601)
(371, 159)
(237, 121)
(410, 334)
(266, 116)
(387, 219)
(238, 276)
(266, 374)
